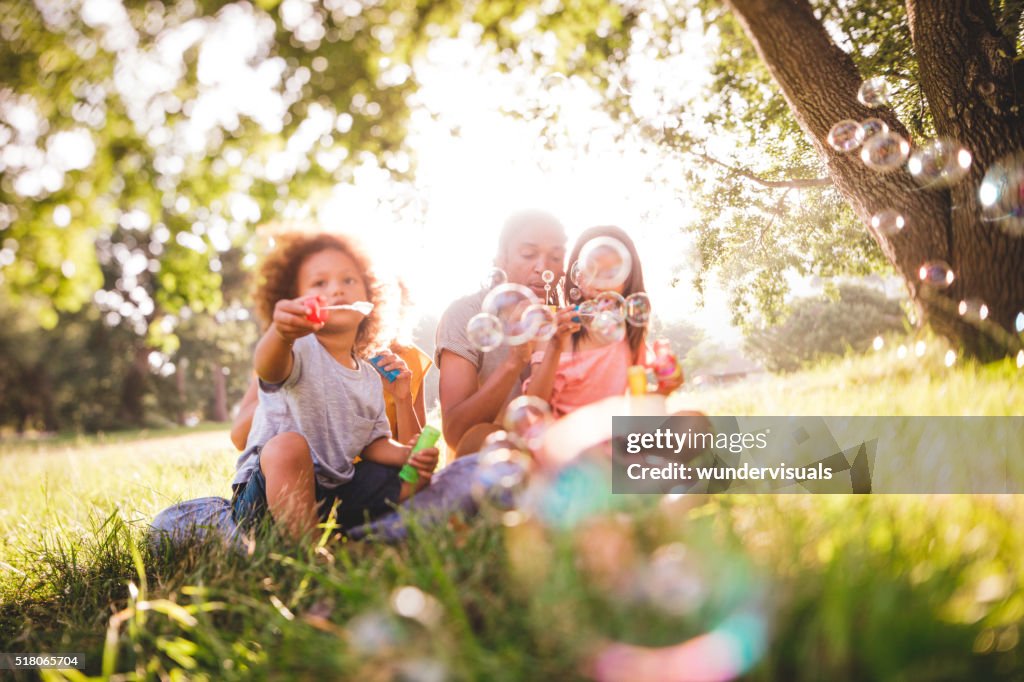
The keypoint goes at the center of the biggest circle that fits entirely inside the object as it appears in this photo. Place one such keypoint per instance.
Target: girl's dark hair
(278, 276)
(634, 283)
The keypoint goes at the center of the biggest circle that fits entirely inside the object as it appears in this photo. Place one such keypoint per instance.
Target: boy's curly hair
(278, 276)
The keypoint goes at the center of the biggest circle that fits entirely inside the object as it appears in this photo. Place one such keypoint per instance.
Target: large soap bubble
(845, 136)
(888, 221)
(605, 263)
(484, 332)
(610, 302)
(542, 318)
(874, 92)
(508, 302)
(493, 278)
(873, 126)
(885, 152)
(1002, 193)
(936, 273)
(638, 309)
(939, 163)
(527, 418)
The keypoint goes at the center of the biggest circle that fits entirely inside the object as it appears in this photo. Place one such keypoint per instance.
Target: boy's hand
(290, 319)
(425, 461)
(401, 387)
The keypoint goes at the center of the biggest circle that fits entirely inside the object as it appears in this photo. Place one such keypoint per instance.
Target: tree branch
(794, 183)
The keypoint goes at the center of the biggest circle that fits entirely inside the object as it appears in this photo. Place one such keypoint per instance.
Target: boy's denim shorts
(373, 491)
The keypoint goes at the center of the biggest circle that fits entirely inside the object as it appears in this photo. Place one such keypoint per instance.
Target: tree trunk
(220, 393)
(179, 384)
(820, 84)
(967, 74)
(134, 386)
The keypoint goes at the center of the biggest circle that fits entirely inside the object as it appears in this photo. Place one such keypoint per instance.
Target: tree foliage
(820, 327)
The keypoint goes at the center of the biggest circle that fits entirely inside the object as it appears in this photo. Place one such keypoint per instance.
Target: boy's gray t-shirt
(451, 336)
(339, 411)
(270, 418)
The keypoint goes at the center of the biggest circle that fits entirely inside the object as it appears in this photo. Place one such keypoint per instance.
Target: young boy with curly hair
(320, 402)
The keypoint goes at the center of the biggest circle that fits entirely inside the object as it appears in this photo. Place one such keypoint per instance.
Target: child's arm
(388, 452)
(407, 424)
(243, 421)
(273, 357)
(542, 378)
(464, 401)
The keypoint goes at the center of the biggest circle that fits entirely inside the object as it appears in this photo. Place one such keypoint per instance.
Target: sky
(468, 182)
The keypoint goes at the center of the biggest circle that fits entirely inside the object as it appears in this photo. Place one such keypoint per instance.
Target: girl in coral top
(578, 367)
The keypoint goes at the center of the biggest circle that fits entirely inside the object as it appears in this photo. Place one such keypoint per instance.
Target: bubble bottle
(428, 438)
(666, 365)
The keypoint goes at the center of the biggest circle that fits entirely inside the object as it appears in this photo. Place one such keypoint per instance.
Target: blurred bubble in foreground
(936, 273)
(888, 221)
(1002, 193)
(939, 163)
(846, 136)
(874, 92)
(885, 152)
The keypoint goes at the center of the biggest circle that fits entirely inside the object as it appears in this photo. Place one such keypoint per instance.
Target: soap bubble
(541, 318)
(1002, 193)
(638, 309)
(575, 294)
(493, 278)
(574, 273)
(950, 358)
(973, 309)
(888, 221)
(939, 163)
(846, 136)
(484, 332)
(873, 126)
(1018, 323)
(508, 302)
(874, 92)
(605, 263)
(936, 273)
(500, 479)
(885, 152)
(610, 302)
(609, 327)
(374, 633)
(528, 417)
(586, 311)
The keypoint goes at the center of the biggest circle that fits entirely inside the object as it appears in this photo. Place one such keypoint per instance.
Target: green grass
(843, 587)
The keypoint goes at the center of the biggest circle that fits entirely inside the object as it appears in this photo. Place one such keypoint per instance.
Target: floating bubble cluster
(888, 221)
(973, 310)
(885, 152)
(846, 136)
(936, 273)
(874, 92)
(939, 163)
(1002, 193)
